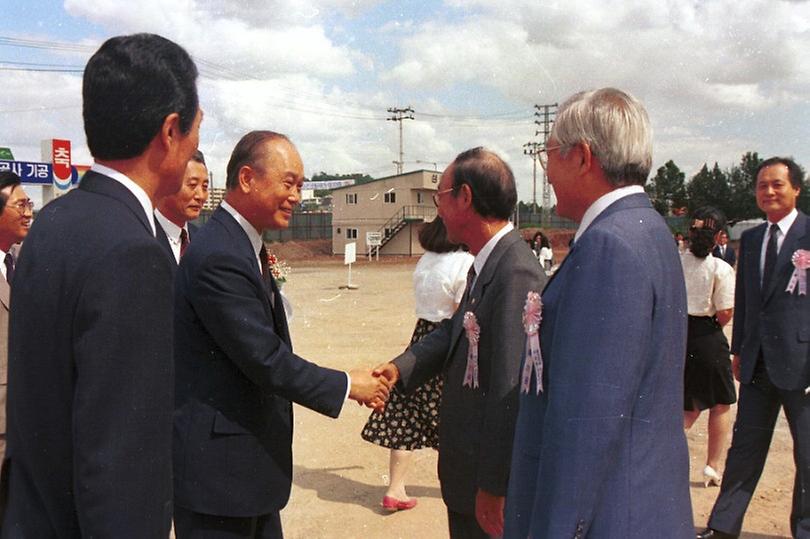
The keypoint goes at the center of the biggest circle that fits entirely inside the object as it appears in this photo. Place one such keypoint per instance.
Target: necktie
(470, 281)
(263, 261)
(9, 262)
(770, 256)
(183, 241)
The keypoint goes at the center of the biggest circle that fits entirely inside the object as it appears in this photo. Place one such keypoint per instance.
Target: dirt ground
(339, 479)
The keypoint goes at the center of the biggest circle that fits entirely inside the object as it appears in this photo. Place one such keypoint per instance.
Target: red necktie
(183, 241)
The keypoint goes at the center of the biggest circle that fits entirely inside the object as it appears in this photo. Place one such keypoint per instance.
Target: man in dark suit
(475, 198)
(174, 212)
(236, 372)
(16, 210)
(771, 350)
(599, 448)
(90, 346)
(723, 250)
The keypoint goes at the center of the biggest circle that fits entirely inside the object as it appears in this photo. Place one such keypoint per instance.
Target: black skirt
(707, 377)
(409, 421)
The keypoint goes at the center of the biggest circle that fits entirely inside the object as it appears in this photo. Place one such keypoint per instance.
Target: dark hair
(198, 157)
(706, 222)
(433, 237)
(246, 153)
(7, 178)
(131, 84)
(543, 240)
(795, 172)
(490, 179)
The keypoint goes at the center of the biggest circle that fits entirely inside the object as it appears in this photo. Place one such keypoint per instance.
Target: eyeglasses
(542, 154)
(23, 205)
(437, 195)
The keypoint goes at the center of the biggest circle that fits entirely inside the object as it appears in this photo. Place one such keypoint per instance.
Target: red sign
(61, 160)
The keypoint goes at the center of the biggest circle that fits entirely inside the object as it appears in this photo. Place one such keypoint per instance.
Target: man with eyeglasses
(479, 349)
(16, 210)
(599, 449)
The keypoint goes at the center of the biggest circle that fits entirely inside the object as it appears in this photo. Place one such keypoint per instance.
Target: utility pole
(532, 149)
(545, 115)
(397, 115)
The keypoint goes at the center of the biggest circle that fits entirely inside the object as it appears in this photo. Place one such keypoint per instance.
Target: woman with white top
(411, 421)
(708, 382)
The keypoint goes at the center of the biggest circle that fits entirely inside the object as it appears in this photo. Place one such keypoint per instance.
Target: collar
(172, 230)
(132, 187)
(483, 254)
(602, 203)
(252, 234)
(786, 222)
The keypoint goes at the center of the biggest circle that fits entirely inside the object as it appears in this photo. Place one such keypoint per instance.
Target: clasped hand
(372, 388)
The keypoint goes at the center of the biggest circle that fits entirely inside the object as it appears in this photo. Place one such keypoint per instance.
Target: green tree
(666, 189)
(741, 179)
(709, 187)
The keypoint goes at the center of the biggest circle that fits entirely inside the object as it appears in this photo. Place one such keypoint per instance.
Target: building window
(419, 198)
(390, 198)
(351, 198)
(351, 233)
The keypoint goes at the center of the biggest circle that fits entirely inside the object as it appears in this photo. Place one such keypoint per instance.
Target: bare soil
(339, 479)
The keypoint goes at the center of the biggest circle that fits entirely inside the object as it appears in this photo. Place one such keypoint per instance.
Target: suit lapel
(5, 291)
(103, 185)
(784, 266)
(471, 303)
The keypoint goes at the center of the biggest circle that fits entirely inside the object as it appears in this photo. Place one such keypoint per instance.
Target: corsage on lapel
(801, 261)
(473, 334)
(532, 316)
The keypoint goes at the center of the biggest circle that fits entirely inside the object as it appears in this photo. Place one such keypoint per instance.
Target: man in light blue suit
(599, 447)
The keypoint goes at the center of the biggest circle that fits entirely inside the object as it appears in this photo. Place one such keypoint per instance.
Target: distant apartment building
(393, 206)
(215, 196)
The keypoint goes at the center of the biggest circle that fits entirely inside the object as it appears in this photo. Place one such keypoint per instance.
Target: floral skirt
(409, 421)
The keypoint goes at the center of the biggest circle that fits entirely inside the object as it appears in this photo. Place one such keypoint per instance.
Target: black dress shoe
(709, 533)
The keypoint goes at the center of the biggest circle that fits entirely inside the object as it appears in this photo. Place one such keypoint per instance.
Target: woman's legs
(398, 464)
(719, 428)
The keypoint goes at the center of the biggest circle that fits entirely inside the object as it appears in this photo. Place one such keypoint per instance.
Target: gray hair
(615, 126)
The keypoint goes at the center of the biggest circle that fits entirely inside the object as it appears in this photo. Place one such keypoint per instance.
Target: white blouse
(709, 284)
(439, 281)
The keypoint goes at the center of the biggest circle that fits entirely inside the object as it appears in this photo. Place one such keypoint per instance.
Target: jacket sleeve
(229, 300)
(123, 398)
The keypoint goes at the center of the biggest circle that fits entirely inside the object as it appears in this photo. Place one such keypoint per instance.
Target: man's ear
(246, 177)
(465, 195)
(170, 131)
(586, 156)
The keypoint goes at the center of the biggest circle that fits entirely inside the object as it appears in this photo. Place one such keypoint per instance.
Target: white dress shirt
(439, 281)
(784, 225)
(132, 187)
(486, 250)
(601, 204)
(709, 284)
(172, 232)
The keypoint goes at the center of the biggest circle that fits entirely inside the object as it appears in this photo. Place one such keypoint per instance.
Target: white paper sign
(350, 253)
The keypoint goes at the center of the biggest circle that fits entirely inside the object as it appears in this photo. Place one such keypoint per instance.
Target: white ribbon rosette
(801, 261)
(473, 332)
(532, 316)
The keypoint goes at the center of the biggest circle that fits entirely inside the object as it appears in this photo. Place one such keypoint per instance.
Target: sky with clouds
(718, 77)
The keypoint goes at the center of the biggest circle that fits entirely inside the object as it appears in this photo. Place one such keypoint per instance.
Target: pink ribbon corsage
(473, 334)
(532, 316)
(801, 261)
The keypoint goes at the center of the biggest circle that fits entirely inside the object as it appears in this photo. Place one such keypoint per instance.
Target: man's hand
(387, 370)
(489, 512)
(735, 366)
(369, 389)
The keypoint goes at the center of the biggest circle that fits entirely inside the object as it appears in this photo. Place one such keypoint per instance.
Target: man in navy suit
(771, 350)
(475, 198)
(236, 373)
(723, 250)
(90, 346)
(174, 212)
(599, 447)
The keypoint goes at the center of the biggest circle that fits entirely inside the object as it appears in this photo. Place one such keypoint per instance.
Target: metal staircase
(406, 215)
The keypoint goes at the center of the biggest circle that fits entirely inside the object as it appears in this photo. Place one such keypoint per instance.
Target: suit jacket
(477, 424)
(601, 452)
(236, 374)
(772, 322)
(90, 372)
(5, 290)
(730, 256)
(163, 238)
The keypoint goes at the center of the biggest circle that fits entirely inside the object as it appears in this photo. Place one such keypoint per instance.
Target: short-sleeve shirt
(439, 281)
(709, 284)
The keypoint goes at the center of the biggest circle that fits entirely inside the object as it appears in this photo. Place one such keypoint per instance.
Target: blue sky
(718, 77)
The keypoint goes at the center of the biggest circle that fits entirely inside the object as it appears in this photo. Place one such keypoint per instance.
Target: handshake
(372, 387)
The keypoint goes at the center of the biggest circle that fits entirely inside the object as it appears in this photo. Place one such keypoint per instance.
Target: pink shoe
(390, 503)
